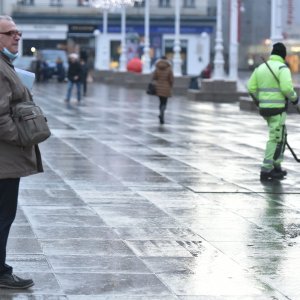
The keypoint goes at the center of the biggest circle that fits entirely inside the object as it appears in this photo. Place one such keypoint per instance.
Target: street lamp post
(276, 21)
(123, 58)
(177, 58)
(219, 58)
(105, 55)
(233, 49)
(146, 65)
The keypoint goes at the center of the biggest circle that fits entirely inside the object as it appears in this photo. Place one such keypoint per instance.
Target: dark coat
(163, 78)
(15, 161)
(74, 71)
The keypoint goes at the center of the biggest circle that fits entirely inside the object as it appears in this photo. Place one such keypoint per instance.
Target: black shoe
(11, 281)
(278, 169)
(270, 175)
(161, 119)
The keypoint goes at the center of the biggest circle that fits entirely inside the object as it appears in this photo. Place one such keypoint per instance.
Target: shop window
(56, 3)
(164, 3)
(139, 4)
(189, 3)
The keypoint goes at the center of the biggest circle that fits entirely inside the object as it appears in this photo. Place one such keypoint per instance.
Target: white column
(177, 58)
(219, 58)
(20, 48)
(233, 47)
(276, 21)
(104, 39)
(123, 57)
(146, 65)
(97, 63)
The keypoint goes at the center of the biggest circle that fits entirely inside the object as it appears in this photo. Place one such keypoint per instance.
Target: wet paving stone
(66, 220)
(29, 263)
(17, 296)
(107, 284)
(71, 232)
(121, 297)
(130, 209)
(98, 264)
(20, 245)
(86, 246)
(158, 248)
(157, 233)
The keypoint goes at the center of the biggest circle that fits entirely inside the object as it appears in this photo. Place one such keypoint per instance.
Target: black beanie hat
(279, 49)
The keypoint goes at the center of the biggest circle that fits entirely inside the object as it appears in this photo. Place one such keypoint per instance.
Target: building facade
(70, 25)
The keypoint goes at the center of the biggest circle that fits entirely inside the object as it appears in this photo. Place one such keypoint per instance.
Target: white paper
(26, 77)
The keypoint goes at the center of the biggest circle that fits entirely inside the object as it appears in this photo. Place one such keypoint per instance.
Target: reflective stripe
(269, 90)
(268, 161)
(272, 101)
(282, 67)
(267, 170)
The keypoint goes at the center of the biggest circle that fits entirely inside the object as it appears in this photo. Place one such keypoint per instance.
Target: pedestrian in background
(15, 161)
(163, 78)
(271, 87)
(84, 75)
(74, 77)
(60, 70)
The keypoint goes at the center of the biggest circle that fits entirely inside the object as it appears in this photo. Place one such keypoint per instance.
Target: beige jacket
(163, 78)
(15, 161)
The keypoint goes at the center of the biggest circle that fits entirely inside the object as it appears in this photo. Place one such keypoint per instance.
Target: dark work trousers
(9, 191)
(162, 105)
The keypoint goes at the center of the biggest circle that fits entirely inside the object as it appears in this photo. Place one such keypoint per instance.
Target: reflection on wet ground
(130, 209)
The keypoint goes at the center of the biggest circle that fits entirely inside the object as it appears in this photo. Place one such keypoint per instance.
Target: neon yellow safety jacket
(272, 96)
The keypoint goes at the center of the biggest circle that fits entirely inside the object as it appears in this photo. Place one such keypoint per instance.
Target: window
(164, 3)
(139, 4)
(189, 3)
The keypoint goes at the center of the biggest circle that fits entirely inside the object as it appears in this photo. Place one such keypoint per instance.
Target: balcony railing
(83, 7)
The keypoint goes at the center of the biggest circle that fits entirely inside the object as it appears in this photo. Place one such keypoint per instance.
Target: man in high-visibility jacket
(271, 95)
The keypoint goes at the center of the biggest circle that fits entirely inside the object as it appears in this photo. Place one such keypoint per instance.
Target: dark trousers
(162, 104)
(9, 191)
(84, 85)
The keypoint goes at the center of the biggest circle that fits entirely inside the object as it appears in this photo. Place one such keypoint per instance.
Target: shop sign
(82, 28)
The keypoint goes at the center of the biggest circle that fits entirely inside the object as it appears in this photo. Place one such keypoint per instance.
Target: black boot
(162, 116)
(270, 175)
(278, 169)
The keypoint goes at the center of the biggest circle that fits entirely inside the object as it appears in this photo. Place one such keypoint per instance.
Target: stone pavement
(130, 209)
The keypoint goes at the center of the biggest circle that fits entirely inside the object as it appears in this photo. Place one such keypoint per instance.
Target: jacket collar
(6, 59)
(277, 58)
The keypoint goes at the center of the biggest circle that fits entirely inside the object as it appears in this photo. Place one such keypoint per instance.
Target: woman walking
(163, 78)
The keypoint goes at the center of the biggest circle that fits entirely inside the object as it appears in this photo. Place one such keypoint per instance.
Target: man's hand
(296, 102)
(256, 102)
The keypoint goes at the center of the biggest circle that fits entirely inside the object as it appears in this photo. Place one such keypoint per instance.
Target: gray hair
(6, 18)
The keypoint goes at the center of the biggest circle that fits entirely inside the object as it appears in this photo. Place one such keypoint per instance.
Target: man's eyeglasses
(12, 33)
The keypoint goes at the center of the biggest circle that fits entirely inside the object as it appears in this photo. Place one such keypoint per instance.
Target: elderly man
(15, 161)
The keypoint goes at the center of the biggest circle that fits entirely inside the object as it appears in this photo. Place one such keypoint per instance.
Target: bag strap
(286, 99)
(270, 70)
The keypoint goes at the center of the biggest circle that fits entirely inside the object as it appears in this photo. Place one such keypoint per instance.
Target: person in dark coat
(74, 77)
(60, 70)
(163, 78)
(84, 75)
(16, 161)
